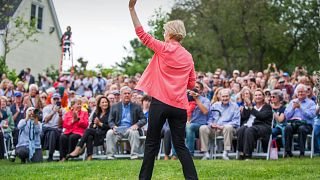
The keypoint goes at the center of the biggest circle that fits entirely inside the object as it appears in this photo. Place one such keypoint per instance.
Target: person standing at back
(166, 79)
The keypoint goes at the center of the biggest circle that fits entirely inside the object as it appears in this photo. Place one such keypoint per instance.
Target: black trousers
(177, 118)
(302, 130)
(1, 146)
(23, 154)
(248, 136)
(68, 143)
(88, 139)
(51, 138)
(15, 134)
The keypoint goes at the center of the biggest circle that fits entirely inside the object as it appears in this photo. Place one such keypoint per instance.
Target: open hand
(134, 127)
(114, 129)
(132, 3)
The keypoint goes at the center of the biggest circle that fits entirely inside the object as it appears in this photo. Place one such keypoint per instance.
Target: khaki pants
(133, 137)
(207, 133)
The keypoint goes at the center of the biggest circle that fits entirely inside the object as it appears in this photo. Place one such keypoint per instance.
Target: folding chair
(309, 137)
(259, 144)
(4, 143)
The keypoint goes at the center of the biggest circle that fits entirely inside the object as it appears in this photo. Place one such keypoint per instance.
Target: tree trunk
(225, 54)
(247, 40)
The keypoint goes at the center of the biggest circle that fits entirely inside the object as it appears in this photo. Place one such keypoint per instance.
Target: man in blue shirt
(300, 114)
(199, 116)
(125, 120)
(224, 120)
(18, 110)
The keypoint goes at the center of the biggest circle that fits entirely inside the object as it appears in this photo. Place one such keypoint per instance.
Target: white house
(46, 51)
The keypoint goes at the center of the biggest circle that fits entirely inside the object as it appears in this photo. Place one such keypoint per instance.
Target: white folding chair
(5, 145)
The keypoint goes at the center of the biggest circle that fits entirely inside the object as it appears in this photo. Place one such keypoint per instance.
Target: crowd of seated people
(78, 112)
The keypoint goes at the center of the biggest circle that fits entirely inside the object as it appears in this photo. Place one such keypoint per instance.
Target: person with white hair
(299, 114)
(29, 144)
(33, 97)
(224, 121)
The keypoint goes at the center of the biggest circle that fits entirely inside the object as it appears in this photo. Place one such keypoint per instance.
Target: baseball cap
(281, 80)
(17, 94)
(72, 92)
(116, 92)
(56, 84)
(286, 74)
(236, 72)
(56, 95)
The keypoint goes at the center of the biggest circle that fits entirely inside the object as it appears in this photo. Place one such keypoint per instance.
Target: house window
(36, 16)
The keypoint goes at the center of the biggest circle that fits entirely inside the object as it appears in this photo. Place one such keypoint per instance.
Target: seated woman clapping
(74, 124)
(258, 125)
(97, 131)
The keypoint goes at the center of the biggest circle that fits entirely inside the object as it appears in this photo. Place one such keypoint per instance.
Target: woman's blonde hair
(175, 30)
(216, 95)
(74, 101)
(4, 81)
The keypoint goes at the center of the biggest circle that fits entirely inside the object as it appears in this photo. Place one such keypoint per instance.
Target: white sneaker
(110, 158)
(225, 156)
(134, 157)
(206, 156)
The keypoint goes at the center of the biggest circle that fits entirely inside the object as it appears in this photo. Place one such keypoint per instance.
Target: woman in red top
(168, 76)
(75, 122)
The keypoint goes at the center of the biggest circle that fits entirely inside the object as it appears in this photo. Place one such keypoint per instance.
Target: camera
(58, 104)
(36, 112)
(190, 98)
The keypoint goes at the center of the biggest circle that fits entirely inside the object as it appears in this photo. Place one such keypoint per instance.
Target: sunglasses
(273, 96)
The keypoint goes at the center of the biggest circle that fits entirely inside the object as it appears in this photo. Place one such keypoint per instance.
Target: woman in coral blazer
(75, 122)
(168, 76)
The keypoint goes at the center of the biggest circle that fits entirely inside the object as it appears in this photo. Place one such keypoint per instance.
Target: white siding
(41, 54)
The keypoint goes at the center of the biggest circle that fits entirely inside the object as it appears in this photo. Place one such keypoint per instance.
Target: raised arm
(148, 40)
(134, 17)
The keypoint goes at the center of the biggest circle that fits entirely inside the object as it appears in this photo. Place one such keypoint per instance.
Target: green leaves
(17, 29)
(249, 34)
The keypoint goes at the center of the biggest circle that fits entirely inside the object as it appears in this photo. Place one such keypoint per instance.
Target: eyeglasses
(43, 97)
(272, 96)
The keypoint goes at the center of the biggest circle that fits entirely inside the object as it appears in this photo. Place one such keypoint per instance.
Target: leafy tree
(248, 34)
(105, 71)
(17, 30)
(52, 72)
(82, 65)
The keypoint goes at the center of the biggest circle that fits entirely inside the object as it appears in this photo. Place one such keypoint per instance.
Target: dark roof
(8, 12)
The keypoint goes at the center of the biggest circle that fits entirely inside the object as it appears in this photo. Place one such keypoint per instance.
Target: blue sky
(101, 28)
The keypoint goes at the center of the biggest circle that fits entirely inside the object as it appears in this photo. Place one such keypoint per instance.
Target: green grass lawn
(293, 168)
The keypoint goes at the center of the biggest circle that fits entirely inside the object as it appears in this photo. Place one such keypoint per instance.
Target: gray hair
(299, 86)
(33, 86)
(75, 100)
(278, 93)
(225, 91)
(125, 88)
